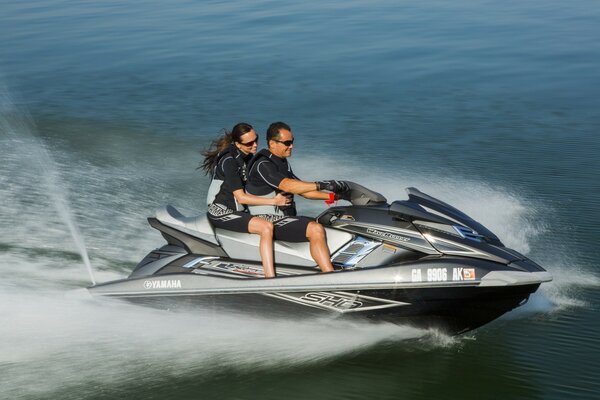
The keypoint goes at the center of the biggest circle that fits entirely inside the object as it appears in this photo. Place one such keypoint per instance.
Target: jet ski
(418, 261)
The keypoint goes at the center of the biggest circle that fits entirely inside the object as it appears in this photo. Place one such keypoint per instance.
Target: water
(19, 130)
(490, 106)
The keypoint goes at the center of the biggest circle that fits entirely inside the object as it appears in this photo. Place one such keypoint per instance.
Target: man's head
(280, 139)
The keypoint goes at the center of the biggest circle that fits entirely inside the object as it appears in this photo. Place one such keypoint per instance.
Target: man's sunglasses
(286, 143)
(250, 144)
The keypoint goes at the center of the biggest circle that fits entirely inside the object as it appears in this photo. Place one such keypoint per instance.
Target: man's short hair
(274, 128)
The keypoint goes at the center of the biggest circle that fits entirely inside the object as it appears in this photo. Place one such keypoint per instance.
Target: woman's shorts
(226, 218)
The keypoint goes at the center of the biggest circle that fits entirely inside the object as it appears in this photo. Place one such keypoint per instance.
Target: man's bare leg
(318, 246)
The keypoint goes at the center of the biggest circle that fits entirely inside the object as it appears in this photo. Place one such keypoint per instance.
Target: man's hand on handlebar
(337, 187)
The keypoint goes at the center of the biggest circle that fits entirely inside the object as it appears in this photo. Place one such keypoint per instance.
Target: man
(269, 173)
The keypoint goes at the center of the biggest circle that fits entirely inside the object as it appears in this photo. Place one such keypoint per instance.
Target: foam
(109, 342)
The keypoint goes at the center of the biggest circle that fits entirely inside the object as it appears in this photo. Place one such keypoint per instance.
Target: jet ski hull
(451, 310)
(403, 294)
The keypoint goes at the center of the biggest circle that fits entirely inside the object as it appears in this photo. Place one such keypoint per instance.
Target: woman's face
(248, 143)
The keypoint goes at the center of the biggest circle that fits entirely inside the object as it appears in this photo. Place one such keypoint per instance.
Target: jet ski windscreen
(359, 195)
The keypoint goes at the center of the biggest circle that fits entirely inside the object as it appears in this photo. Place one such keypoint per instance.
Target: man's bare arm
(296, 186)
(316, 195)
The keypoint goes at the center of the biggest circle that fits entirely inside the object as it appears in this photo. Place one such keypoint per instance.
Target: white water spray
(18, 126)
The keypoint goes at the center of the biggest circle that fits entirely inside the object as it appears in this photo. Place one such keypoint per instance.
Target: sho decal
(387, 235)
(331, 300)
(340, 302)
(163, 284)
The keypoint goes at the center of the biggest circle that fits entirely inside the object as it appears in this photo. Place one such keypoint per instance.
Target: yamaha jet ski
(418, 261)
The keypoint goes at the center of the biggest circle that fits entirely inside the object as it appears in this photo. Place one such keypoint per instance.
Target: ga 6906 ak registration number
(442, 274)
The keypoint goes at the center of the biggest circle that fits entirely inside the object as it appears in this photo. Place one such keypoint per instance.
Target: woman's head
(242, 135)
(245, 138)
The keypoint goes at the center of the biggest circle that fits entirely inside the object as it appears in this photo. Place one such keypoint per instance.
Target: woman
(226, 159)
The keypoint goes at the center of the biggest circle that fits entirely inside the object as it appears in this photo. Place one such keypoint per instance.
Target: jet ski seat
(244, 246)
(198, 226)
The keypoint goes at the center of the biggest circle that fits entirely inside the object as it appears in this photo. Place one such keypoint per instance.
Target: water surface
(490, 106)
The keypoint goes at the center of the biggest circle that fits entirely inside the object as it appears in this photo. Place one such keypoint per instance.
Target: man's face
(283, 146)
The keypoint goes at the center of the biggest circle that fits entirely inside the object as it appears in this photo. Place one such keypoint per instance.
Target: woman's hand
(282, 200)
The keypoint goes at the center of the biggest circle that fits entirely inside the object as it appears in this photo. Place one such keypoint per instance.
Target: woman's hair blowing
(221, 143)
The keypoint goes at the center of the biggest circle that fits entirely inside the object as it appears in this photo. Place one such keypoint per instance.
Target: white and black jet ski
(418, 261)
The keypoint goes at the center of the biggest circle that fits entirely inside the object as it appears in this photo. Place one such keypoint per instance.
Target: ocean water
(104, 107)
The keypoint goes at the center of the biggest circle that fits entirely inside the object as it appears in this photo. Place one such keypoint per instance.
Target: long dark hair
(221, 143)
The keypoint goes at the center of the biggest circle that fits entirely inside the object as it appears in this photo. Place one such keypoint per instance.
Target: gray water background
(491, 106)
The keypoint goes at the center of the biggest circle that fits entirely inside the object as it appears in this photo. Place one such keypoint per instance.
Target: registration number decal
(442, 274)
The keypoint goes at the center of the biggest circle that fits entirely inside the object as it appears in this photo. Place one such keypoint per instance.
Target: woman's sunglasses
(250, 144)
